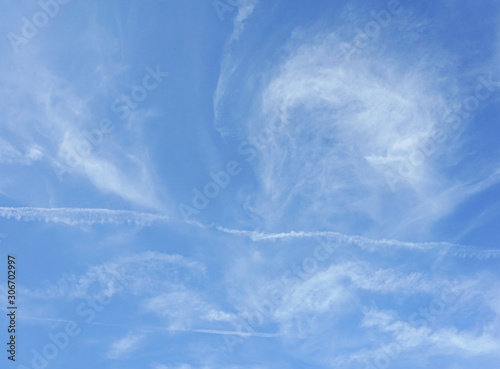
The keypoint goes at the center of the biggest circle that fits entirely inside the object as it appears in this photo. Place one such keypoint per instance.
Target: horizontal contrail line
(72, 216)
(364, 242)
(164, 329)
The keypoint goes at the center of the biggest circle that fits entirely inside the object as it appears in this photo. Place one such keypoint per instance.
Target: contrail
(233, 333)
(368, 243)
(163, 329)
(75, 216)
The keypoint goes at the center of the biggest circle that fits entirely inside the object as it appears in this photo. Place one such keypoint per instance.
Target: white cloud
(317, 308)
(133, 186)
(245, 10)
(125, 346)
(334, 292)
(184, 308)
(229, 65)
(153, 273)
(45, 114)
(340, 131)
(10, 155)
(408, 337)
(338, 126)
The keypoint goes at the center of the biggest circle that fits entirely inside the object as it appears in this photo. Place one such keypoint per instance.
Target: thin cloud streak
(368, 243)
(156, 329)
(229, 65)
(75, 216)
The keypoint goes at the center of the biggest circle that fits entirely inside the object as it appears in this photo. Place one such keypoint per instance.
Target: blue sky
(251, 184)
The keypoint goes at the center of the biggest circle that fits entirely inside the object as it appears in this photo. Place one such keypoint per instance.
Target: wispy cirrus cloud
(183, 307)
(9, 154)
(125, 346)
(322, 305)
(229, 64)
(48, 114)
(332, 135)
(245, 10)
(140, 273)
(338, 127)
